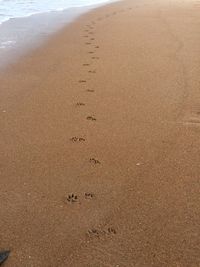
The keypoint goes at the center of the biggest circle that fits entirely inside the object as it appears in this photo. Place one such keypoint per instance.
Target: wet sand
(99, 158)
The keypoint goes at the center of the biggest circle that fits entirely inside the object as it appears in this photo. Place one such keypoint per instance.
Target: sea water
(23, 8)
(26, 23)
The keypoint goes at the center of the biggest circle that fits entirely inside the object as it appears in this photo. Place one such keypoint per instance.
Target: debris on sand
(4, 255)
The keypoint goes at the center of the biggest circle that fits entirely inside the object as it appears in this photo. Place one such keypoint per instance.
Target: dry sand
(121, 133)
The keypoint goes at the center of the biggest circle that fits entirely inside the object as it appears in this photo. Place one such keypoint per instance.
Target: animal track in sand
(94, 161)
(72, 198)
(98, 233)
(82, 81)
(96, 47)
(111, 231)
(92, 71)
(95, 57)
(90, 90)
(86, 64)
(80, 104)
(91, 52)
(92, 39)
(91, 118)
(77, 139)
(88, 43)
(89, 196)
(92, 233)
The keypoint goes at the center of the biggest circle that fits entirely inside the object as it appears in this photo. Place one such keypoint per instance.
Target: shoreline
(18, 36)
(99, 161)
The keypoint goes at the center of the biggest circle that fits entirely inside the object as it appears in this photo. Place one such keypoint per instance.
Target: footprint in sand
(92, 39)
(89, 196)
(77, 139)
(92, 233)
(80, 104)
(91, 52)
(82, 81)
(86, 64)
(91, 118)
(90, 90)
(96, 47)
(72, 198)
(98, 233)
(92, 71)
(94, 161)
(111, 231)
(95, 57)
(88, 43)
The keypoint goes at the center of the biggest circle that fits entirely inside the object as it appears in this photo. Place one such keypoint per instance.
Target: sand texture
(100, 142)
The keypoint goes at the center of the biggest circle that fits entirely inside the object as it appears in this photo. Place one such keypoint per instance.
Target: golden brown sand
(107, 110)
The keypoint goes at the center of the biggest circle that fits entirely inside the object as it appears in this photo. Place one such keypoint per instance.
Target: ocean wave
(22, 8)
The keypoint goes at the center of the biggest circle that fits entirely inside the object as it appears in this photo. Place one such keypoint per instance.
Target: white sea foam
(31, 22)
(23, 8)
(6, 44)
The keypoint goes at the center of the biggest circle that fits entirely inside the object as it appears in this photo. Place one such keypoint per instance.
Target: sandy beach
(100, 139)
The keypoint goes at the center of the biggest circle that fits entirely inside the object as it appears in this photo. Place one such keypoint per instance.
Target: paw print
(89, 195)
(94, 161)
(77, 139)
(72, 198)
(80, 104)
(99, 233)
(90, 118)
(93, 233)
(112, 231)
